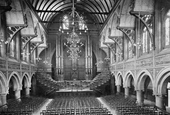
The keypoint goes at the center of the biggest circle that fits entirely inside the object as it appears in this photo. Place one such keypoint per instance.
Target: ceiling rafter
(106, 13)
(94, 10)
(102, 7)
(97, 10)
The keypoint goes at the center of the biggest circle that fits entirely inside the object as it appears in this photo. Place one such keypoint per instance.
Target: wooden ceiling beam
(106, 13)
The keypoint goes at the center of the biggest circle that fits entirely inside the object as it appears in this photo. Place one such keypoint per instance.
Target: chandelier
(73, 49)
(73, 38)
(71, 24)
(73, 21)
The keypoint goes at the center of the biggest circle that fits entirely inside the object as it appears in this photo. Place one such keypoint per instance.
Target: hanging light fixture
(73, 22)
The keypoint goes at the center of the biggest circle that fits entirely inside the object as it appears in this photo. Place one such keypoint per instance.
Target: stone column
(18, 95)
(140, 97)
(160, 102)
(168, 97)
(118, 89)
(27, 91)
(126, 92)
(3, 101)
(112, 86)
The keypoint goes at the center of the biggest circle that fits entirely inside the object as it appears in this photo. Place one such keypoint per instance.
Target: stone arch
(113, 77)
(26, 78)
(119, 78)
(33, 83)
(141, 78)
(127, 79)
(3, 83)
(16, 80)
(32, 75)
(161, 82)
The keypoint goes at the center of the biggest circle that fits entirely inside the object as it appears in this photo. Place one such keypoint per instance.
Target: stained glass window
(12, 48)
(144, 40)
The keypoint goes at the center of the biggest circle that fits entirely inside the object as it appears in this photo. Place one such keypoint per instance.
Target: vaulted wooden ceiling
(98, 10)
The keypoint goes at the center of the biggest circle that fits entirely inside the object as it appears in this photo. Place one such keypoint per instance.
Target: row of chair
(75, 106)
(99, 80)
(127, 106)
(77, 111)
(24, 106)
(76, 102)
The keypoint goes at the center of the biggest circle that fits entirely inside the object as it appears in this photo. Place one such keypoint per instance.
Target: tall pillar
(160, 102)
(18, 95)
(118, 89)
(27, 91)
(168, 97)
(140, 97)
(3, 99)
(126, 92)
(2, 35)
(112, 86)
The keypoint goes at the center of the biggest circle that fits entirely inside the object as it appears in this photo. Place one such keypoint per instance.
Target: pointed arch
(27, 81)
(119, 78)
(2, 83)
(16, 80)
(141, 77)
(161, 82)
(127, 79)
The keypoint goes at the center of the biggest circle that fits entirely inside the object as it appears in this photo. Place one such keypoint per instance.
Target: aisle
(113, 111)
(43, 107)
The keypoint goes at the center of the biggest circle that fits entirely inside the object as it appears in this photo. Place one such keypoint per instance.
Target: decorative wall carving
(129, 65)
(9, 73)
(119, 66)
(133, 71)
(4, 72)
(150, 71)
(33, 68)
(112, 67)
(157, 70)
(2, 64)
(137, 72)
(163, 59)
(144, 63)
(25, 67)
(13, 65)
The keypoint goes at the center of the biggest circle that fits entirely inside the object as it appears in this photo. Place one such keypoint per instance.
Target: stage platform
(75, 92)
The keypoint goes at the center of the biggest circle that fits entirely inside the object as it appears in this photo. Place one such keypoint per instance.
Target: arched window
(66, 22)
(167, 29)
(130, 53)
(119, 48)
(144, 40)
(12, 51)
